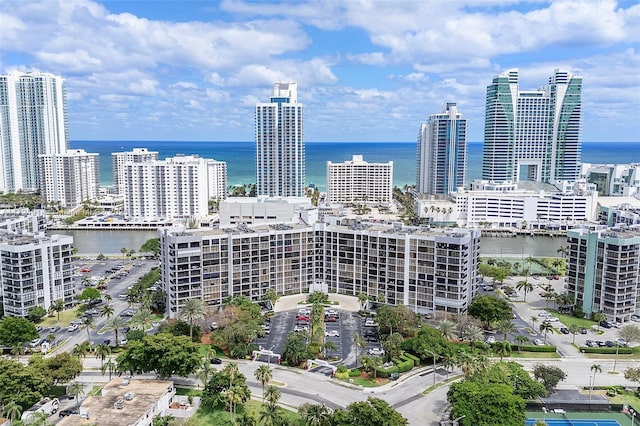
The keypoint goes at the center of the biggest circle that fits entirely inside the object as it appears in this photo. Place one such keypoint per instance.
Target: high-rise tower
(32, 123)
(535, 134)
(442, 152)
(280, 160)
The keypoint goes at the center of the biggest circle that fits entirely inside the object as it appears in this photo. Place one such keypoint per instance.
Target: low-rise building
(613, 180)
(253, 210)
(123, 401)
(427, 270)
(603, 270)
(22, 221)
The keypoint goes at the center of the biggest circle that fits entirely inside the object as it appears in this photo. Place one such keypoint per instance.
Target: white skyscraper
(119, 159)
(534, 134)
(70, 178)
(177, 187)
(280, 158)
(442, 152)
(357, 181)
(32, 123)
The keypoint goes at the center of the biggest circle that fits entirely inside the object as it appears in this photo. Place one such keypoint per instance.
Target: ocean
(241, 167)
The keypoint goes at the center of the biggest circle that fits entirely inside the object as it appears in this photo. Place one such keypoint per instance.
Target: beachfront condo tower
(32, 123)
(534, 134)
(280, 158)
(442, 152)
(69, 179)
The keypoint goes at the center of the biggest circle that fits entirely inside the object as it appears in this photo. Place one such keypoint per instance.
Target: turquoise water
(241, 168)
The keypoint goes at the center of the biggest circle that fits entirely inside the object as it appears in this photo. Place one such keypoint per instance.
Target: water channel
(110, 242)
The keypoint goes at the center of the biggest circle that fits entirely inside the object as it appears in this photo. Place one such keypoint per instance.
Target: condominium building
(614, 180)
(280, 153)
(175, 188)
(442, 152)
(603, 271)
(69, 178)
(617, 214)
(424, 269)
(35, 271)
(535, 134)
(22, 221)
(253, 210)
(119, 159)
(32, 122)
(358, 181)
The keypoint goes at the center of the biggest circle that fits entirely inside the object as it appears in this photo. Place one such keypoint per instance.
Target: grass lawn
(627, 398)
(516, 354)
(65, 318)
(206, 416)
(569, 320)
(188, 391)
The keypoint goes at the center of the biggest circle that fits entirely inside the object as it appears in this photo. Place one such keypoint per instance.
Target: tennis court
(581, 422)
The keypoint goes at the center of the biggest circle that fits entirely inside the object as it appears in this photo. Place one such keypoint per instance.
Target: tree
(399, 319)
(315, 414)
(109, 366)
(473, 333)
(630, 333)
(192, 311)
(489, 309)
(11, 411)
(363, 298)
(271, 296)
(502, 349)
(205, 372)
(163, 353)
(392, 343)
(270, 414)
(88, 325)
(114, 325)
(546, 327)
(525, 286)
(60, 368)
(521, 339)
(598, 317)
(36, 314)
(144, 319)
(102, 352)
(372, 412)
(632, 374)
(595, 368)
(505, 327)
(81, 350)
(574, 329)
(76, 389)
(152, 245)
(124, 251)
(480, 404)
(295, 349)
(448, 330)
(89, 294)
(263, 374)
(534, 320)
(22, 384)
(220, 382)
(370, 363)
(57, 306)
(562, 250)
(16, 331)
(107, 311)
(359, 343)
(159, 420)
(548, 375)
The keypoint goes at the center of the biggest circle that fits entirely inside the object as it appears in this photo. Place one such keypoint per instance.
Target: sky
(367, 70)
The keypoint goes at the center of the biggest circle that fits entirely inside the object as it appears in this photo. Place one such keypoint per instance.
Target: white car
(376, 351)
(491, 339)
(300, 328)
(539, 342)
(552, 319)
(123, 342)
(635, 318)
(73, 327)
(332, 333)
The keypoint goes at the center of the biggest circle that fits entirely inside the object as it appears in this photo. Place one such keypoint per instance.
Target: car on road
(583, 330)
(376, 351)
(73, 327)
(85, 270)
(564, 330)
(539, 342)
(54, 329)
(332, 333)
(215, 361)
(394, 376)
(68, 412)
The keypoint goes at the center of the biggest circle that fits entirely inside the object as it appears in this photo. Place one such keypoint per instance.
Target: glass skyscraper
(280, 157)
(533, 135)
(442, 152)
(32, 122)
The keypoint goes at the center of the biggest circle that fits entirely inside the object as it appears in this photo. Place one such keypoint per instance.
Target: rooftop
(146, 394)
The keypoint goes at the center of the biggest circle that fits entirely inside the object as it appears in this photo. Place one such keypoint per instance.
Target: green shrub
(385, 372)
(605, 350)
(396, 361)
(355, 373)
(535, 348)
(405, 366)
(403, 357)
(416, 360)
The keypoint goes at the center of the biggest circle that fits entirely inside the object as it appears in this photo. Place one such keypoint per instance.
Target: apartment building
(179, 187)
(425, 269)
(119, 159)
(34, 122)
(613, 180)
(35, 271)
(357, 181)
(22, 221)
(603, 270)
(253, 210)
(69, 178)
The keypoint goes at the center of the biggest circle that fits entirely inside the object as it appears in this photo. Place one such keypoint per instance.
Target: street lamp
(590, 388)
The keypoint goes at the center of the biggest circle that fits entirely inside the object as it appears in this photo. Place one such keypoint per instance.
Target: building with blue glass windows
(442, 152)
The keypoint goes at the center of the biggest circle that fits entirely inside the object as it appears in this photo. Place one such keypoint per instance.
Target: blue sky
(366, 70)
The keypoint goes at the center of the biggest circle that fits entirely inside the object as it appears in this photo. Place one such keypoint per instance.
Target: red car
(302, 318)
(85, 270)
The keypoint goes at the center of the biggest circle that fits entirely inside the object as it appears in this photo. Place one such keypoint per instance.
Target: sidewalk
(288, 303)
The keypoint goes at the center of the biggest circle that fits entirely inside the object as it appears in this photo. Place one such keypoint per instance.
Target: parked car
(600, 343)
(564, 330)
(605, 324)
(332, 333)
(635, 318)
(300, 328)
(591, 343)
(68, 412)
(583, 330)
(491, 339)
(609, 344)
(369, 322)
(376, 351)
(539, 342)
(394, 376)
(123, 342)
(621, 342)
(371, 338)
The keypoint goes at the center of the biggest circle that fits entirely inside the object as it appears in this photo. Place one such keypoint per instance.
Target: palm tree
(372, 363)
(192, 311)
(205, 372)
(39, 418)
(598, 317)
(272, 395)
(448, 362)
(502, 349)
(88, 325)
(124, 251)
(525, 286)
(534, 320)
(363, 298)
(107, 311)
(562, 250)
(595, 368)
(81, 350)
(468, 363)
(328, 346)
(18, 350)
(546, 327)
(359, 341)
(142, 320)
(574, 329)
(263, 374)
(109, 366)
(315, 415)
(12, 411)
(270, 415)
(102, 352)
(473, 333)
(505, 327)
(233, 397)
(448, 330)
(76, 389)
(115, 324)
(57, 306)
(521, 339)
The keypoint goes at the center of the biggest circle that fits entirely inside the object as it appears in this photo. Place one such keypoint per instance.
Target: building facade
(36, 271)
(423, 269)
(119, 159)
(253, 210)
(69, 178)
(33, 121)
(175, 188)
(603, 271)
(442, 152)
(280, 153)
(614, 180)
(357, 181)
(533, 135)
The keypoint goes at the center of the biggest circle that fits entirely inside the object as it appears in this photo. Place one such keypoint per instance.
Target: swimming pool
(581, 422)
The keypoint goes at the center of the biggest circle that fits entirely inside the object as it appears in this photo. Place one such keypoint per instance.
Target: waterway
(109, 242)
